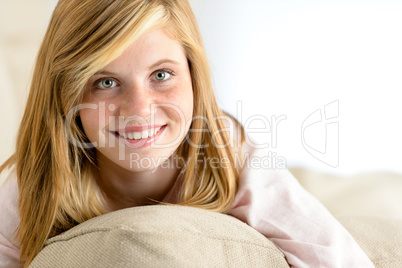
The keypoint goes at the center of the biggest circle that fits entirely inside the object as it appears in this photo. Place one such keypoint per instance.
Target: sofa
(175, 236)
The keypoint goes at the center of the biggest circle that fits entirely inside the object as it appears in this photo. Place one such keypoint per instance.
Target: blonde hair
(55, 175)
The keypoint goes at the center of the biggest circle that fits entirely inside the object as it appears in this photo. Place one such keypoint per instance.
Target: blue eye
(162, 75)
(106, 83)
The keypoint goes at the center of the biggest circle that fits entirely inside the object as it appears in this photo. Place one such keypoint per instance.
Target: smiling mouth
(140, 135)
(139, 139)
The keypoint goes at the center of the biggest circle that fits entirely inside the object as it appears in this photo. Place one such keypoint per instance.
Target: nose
(136, 102)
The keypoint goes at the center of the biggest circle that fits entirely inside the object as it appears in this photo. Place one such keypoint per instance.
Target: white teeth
(144, 134)
(140, 135)
(137, 135)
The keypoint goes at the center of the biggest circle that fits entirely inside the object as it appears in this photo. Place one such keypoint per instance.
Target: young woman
(121, 113)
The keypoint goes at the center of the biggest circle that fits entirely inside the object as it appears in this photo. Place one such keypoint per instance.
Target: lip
(141, 143)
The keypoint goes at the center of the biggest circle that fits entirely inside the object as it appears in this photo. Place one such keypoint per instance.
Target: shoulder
(8, 205)
(264, 187)
(261, 165)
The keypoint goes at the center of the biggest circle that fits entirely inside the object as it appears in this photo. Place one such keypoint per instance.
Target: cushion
(374, 194)
(160, 236)
(380, 238)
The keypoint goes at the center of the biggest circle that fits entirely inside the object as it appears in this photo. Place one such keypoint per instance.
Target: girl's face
(137, 110)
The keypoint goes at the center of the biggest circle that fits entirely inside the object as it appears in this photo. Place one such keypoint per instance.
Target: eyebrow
(156, 64)
(159, 62)
(104, 72)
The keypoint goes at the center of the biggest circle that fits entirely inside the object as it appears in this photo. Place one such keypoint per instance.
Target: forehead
(151, 47)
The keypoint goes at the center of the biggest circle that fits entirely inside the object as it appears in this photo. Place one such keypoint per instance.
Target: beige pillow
(375, 194)
(160, 236)
(380, 238)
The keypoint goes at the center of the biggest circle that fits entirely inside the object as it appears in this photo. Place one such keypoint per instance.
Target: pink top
(9, 220)
(270, 201)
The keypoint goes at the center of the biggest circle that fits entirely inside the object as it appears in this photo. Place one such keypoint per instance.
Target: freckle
(112, 107)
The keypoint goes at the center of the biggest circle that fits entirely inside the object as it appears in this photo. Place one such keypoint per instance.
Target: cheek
(189, 105)
(181, 107)
(92, 122)
(182, 99)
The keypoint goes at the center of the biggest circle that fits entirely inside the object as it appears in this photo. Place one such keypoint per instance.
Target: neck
(123, 188)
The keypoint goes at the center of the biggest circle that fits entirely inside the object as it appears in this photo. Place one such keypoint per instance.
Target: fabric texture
(160, 236)
(152, 233)
(374, 194)
(380, 238)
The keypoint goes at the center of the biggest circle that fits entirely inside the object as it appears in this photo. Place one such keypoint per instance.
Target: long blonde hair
(55, 175)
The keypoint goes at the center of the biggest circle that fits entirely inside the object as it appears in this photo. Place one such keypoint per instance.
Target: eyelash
(168, 71)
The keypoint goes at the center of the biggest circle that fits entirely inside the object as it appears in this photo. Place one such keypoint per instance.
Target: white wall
(22, 25)
(291, 58)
